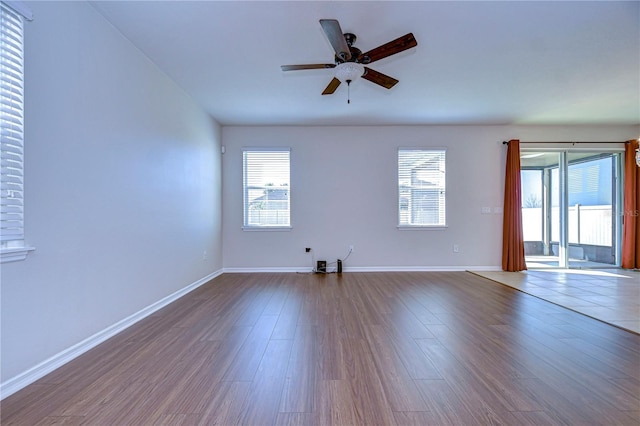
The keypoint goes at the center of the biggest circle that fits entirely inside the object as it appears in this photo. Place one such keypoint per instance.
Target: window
(421, 187)
(267, 195)
(12, 245)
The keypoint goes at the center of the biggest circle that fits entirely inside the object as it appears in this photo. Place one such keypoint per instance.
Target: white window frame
(405, 221)
(12, 242)
(247, 223)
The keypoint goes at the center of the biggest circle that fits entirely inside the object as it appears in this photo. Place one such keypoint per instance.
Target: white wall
(344, 192)
(123, 178)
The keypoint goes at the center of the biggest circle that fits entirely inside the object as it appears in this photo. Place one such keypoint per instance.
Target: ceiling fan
(350, 61)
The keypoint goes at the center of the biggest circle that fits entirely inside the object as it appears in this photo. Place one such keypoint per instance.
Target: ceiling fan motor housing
(351, 38)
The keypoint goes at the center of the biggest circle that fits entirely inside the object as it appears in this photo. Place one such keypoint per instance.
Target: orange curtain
(512, 238)
(630, 225)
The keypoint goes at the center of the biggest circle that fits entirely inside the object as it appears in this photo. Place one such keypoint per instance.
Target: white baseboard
(367, 269)
(24, 379)
(264, 269)
(421, 268)
(484, 268)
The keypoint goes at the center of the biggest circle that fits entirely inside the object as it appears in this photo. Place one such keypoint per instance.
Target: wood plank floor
(414, 348)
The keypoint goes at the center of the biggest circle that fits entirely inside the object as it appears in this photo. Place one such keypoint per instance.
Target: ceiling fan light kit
(347, 72)
(350, 61)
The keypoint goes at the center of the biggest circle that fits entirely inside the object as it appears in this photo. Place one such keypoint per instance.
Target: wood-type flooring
(394, 348)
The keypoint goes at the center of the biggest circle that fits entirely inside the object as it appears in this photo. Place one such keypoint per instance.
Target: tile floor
(609, 295)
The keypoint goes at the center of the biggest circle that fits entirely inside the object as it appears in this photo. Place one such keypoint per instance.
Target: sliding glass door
(570, 201)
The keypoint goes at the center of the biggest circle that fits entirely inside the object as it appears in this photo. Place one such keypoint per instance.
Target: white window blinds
(12, 122)
(421, 187)
(267, 197)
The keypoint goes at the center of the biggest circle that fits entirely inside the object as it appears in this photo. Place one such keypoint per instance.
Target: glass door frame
(617, 155)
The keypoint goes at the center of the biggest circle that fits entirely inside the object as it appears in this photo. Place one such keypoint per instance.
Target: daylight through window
(267, 195)
(421, 187)
(11, 130)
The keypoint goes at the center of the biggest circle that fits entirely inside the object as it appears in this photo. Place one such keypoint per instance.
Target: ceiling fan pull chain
(348, 91)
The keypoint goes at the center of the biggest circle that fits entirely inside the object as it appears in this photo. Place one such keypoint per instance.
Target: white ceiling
(476, 62)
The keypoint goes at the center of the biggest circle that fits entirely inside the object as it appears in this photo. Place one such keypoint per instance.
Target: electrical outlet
(351, 248)
(456, 248)
(204, 255)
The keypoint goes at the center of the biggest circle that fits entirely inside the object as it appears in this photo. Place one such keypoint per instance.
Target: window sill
(422, 228)
(267, 228)
(14, 254)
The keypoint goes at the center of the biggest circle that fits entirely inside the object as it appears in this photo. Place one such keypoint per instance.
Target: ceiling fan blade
(306, 67)
(379, 78)
(396, 46)
(333, 85)
(333, 32)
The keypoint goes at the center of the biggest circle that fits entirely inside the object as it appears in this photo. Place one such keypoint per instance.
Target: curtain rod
(573, 143)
